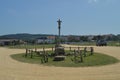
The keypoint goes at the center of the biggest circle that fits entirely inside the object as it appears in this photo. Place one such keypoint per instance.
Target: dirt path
(14, 70)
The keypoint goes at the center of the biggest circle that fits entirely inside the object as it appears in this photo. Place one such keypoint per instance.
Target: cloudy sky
(79, 17)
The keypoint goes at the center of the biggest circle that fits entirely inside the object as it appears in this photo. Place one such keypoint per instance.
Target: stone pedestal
(59, 50)
(59, 53)
(59, 58)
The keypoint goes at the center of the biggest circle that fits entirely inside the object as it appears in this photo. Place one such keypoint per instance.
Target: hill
(23, 36)
(26, 36)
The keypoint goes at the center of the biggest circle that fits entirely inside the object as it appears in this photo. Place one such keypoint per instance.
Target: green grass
(31, 46)
(86, 44)
(109, 43)
(97, 59)
(113, 43)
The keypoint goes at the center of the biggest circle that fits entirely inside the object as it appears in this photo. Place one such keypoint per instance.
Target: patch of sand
(14, 70)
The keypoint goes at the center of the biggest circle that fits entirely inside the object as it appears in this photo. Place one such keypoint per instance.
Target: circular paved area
(14, 70)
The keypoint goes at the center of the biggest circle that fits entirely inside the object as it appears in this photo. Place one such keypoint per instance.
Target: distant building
(4, 42)
(51, 39)
(90, 38)
(64, 38)
(48, 39)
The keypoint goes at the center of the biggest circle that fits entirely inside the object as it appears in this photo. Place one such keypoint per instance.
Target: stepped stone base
(59, 58)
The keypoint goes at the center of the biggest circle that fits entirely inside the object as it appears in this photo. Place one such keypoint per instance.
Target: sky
(79, 17)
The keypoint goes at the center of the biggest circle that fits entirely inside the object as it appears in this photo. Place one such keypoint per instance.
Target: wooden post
(26, 52)
(75, 56)
(35, 49)
(70, 48)
(42, 58)
(31, 53)
(78, 48)
(42, 61)
(91, 50)
(46, 57)
(85, 52)
(43, 49)
(52, 49)
(81, 57)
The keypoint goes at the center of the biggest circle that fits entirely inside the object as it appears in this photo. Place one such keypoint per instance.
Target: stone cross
(59, 27)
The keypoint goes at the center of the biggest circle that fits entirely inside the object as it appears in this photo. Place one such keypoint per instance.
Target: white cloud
(96, 1)
(93, 1)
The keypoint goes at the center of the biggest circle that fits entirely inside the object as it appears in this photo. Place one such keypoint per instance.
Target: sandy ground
(14, 70)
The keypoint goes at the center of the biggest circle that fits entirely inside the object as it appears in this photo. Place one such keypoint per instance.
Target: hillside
(26, 36)
(23, 36)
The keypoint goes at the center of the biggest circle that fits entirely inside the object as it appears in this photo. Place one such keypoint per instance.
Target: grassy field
(111, 43)
(97, 59)
(31, 46)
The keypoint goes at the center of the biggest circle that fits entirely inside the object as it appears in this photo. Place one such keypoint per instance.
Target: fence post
(78, 48)
(35, 49)
(42, 59)
(43, 49)
(31, 53)
(69, 48)
(91, 50)
(81, 57)
(52, 49)
(46, 57)
(85, 52)
(26, 52)
(75, 56)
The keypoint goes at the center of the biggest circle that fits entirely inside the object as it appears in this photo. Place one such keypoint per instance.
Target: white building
(48, 39)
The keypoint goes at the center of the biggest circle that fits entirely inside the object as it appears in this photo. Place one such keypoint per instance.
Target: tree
(84, 38)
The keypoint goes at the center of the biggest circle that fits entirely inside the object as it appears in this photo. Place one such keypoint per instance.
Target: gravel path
(14, 70)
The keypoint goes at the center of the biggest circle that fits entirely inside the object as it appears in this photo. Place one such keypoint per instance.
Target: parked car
(101, 43)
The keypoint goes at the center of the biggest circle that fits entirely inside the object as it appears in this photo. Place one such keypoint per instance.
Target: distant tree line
(31, 39)
(93, 38)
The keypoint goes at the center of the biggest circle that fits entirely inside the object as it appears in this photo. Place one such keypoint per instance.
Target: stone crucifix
(59, 27)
